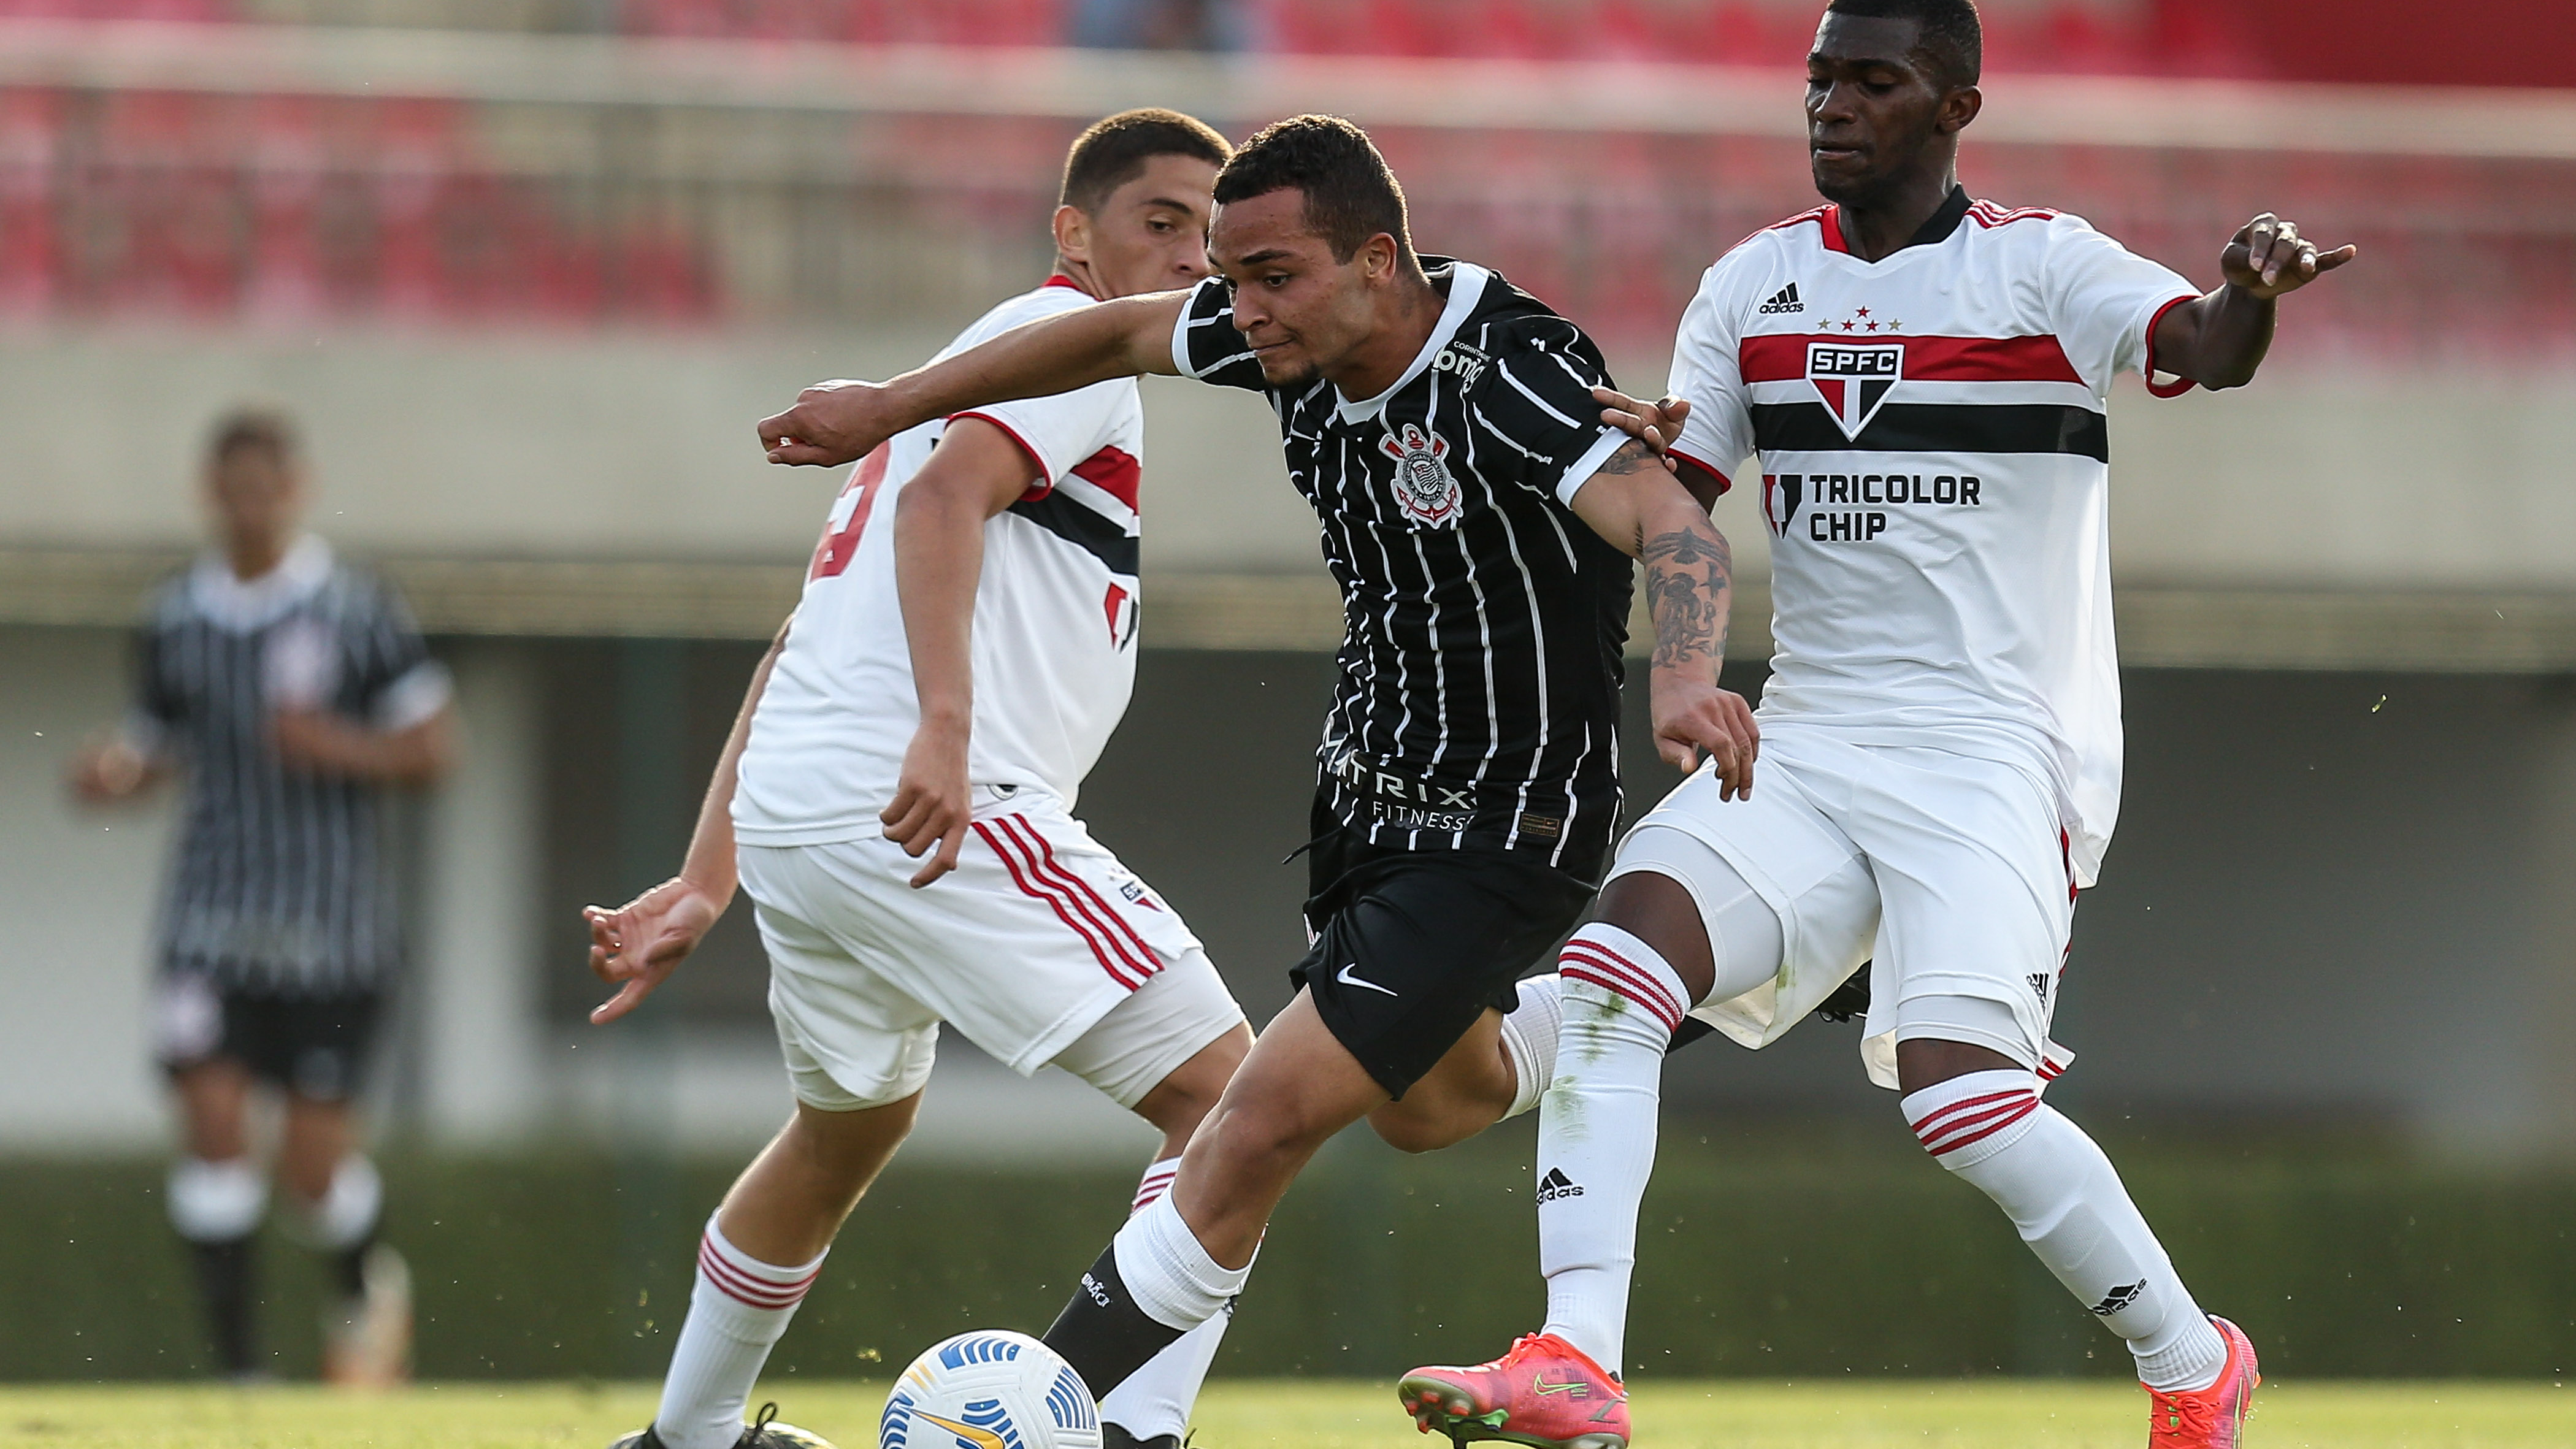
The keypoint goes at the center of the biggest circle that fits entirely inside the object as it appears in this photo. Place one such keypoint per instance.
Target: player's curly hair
(1113, 150)
(266, 428)
(1953, 41)
(1351, 195)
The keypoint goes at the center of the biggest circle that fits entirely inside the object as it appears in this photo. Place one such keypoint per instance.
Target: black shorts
(1411, 946)
(314, 1046)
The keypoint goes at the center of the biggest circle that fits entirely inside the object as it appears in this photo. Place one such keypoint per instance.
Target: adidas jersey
(1054, 651)
(1935, 474)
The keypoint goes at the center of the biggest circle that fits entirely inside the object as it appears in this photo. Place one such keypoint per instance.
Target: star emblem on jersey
(1425, 490)
(1854, 379)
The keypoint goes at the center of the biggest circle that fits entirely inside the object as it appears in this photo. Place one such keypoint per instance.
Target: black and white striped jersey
(1484, 624)
(280, 883)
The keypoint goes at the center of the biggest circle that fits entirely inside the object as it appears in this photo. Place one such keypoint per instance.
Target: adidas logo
(2039, 986)
(2119, 1298)
(1556, 1185)
(1784, 300)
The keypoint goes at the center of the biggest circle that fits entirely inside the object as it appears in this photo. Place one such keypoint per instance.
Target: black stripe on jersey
(1106, 541)
(1808, 427)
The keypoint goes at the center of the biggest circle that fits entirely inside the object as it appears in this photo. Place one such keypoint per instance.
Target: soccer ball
(990, 1389)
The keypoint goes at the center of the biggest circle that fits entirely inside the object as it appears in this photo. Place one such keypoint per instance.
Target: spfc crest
(1854, 379)
(1425, 490)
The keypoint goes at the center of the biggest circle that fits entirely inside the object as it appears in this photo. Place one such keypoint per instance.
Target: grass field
(1992, 1414)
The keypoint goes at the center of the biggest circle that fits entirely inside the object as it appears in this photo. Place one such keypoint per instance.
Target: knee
(1267, 1134)
(1182, 1100)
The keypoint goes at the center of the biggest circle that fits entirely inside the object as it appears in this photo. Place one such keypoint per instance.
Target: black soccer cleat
(1115, 1436)
(763, 1432)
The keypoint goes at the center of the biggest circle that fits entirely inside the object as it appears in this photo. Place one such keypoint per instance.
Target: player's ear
(1958, 108)
(1377, 257)
(1073, 233)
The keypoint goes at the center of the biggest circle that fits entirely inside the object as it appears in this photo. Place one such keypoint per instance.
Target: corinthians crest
(1425, 489)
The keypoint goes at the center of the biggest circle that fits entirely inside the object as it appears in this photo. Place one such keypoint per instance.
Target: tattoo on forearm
(1688, 576)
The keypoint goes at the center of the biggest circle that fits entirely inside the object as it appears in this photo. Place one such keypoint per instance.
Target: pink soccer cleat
(2210, 1418)
(1545, 1393)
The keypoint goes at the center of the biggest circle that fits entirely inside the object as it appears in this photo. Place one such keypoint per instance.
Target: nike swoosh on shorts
(1345, 977)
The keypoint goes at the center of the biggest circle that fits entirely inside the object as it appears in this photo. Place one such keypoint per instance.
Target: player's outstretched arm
(1637, 505)
(843, 421)
(2219, 340)
(976, 471)
(636, 946)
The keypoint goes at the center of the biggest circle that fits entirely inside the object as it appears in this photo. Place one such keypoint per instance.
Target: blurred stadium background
(529, 269)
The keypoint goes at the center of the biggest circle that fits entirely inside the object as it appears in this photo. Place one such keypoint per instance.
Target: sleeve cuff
(1181, 338)
(1610, 441)
(1696, 466)
(1046, 471)
(2179, 385)
(419, 693)
(143, 733)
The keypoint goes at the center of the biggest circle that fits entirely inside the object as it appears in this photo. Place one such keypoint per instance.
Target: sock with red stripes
(1596, 1131)
(737, 1311)
(1155, 1400)
(2071, 1208)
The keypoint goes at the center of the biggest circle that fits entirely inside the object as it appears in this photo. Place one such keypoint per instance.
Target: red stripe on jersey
(1087, 902)
(1820, 215)
(1061, 280)
(1782, 357)
(1987, 214)
(1829, 220)
(1046, 480)
(1114, 472)
(1008, 850)
(2180, 384)
(1687, 461)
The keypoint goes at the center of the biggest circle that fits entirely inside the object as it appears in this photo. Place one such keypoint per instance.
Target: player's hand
(932, 801)
(1692, 715)
(313, 741)
(1656, 424)
(109, 769)
(834, 422)
(635, 946)
(2268, 257)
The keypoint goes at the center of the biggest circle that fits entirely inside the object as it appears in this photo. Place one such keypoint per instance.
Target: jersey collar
(245, 605)
(1935, 230)
(1466, 287)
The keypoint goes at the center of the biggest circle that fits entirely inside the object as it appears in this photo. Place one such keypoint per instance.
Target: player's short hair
(1113, 150)
(266, 428)
(1351, 195)
(1953, 41)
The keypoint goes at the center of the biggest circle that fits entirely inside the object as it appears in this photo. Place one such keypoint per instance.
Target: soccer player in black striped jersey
(1480, 518)
(291, 692)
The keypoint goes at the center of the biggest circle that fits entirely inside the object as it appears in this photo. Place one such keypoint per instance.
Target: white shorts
(1040, 947)
(1950, 870)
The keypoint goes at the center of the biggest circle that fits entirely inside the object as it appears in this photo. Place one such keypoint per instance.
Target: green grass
(1260, 1414)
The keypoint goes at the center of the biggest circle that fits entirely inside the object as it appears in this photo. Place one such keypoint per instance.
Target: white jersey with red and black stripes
(1935, 475)
(1055, 618)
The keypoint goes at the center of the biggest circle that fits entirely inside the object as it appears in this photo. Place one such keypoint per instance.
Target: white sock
(737, 1311)
(1596, 1131)
(346, 1214)
(1169, 1276)
(216, 1202)
(1155, 1400)
(1529, 1038)
(2069, 1205)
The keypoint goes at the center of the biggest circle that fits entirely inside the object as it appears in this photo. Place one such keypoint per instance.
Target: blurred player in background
(1484, 525)
(965, 644)
(1926, 380)
(292, 692)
